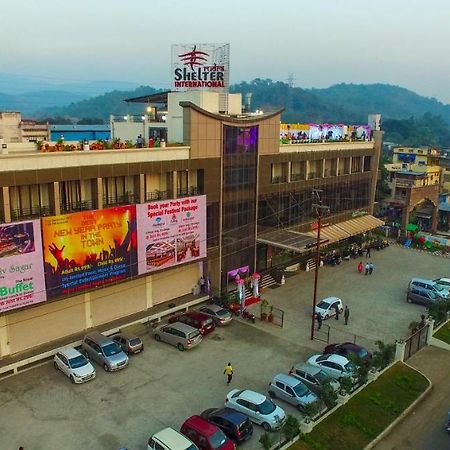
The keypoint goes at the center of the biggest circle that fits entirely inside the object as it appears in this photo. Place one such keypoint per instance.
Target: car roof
(252, 396)
(331, 299)
(98, 337)
(336, 358)
(286, 379)
(422, 280)
(230, 414)
(126, 336)
(213, 307)
(70, 353)
(182, 327)
(202, 425)
(312, 370)
(350, 346)
(172, 438)
(442, 279)
(197, 315)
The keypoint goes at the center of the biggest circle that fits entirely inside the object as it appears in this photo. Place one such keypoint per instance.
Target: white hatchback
(327, 307)
(336, 366)
(257, 407)
(74, 365)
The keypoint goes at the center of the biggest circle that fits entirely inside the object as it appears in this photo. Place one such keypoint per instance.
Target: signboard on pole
(171, 232)
(89, 249)
(200, 67)
(21, 270)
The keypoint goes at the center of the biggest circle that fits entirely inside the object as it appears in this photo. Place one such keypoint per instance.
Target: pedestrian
(291, 371)
(367, 269)
(346, 314)
(360, 267)
(319, 320)
(202, 284)
(371, 266)
(229, 372)
(140, 141)
(336, 309)
(368, 252)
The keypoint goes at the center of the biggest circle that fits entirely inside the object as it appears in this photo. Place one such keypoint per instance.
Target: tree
(346, 385)
(328, 395)
(266, 440)
(90, 121)
(384, 355)
(291, 428)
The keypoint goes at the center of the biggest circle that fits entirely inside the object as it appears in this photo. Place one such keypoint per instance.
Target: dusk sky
(403, 42)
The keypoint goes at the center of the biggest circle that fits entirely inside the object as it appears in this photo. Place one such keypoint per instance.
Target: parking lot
(42, 410)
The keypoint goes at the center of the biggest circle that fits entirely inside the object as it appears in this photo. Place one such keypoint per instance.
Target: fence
(322, 334)
(272, 314)
(416, 341)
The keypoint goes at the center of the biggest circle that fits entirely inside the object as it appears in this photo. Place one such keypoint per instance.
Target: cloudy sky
(321, 42)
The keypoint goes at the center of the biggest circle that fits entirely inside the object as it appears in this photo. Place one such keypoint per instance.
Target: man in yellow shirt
(229, 372)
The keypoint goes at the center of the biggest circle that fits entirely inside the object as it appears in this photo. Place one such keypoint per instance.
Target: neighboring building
(412, 158)
(259, 212)
(444, 162)
(80, 132)
(10, 131)
(33, 131)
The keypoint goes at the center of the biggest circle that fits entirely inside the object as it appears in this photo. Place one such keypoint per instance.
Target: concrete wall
(24, 329)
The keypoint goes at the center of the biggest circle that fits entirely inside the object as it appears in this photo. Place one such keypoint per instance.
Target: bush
(310, 410)
(328, 395)
(346, 385)
(291, 428)
(266, 440)
(384, 355)
(438, 311)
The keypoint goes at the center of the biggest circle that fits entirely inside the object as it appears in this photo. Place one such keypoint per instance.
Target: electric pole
(320, 210)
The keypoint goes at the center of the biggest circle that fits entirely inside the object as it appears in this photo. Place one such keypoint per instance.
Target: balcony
(31, 213)
(189, 191)
(126, 199)
(279, 179)
(157, 195)
(77, 206)
(298, 176)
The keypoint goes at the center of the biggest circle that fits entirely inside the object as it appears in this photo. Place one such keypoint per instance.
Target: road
(423, 429)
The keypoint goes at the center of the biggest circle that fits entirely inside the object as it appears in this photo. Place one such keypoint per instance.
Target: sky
(320, 42)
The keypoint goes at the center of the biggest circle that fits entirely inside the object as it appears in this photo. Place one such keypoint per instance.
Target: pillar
(6, 205)
(307, 170)
(149, 291)
(56, 200)
(174, 184)
(434, 219)
(430, 331)
(141, 188)
(99, 192)
(399, 350)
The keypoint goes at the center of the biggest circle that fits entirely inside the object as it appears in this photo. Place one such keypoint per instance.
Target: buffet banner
(21, 269)
(89, 249)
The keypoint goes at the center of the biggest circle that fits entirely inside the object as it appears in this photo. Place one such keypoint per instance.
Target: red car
(205, 435)
(195, 319)
(348, 348)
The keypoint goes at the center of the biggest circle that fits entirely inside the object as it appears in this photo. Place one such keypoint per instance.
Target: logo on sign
(158, 221)
(194, 58)
(173, 219)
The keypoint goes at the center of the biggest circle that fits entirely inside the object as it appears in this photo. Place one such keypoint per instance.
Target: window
(243, 403)
(70, 195)
(290, 391)
(279, 385)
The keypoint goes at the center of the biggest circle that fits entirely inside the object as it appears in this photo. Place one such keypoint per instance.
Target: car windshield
(363, 353)
(439, 288)
(266, 407)
(323, 305)
(111, 349)
(194, 334)
(136, 341)
(222, 312)
(78, 361)
(301, 390)
(217, 439)
(322, 357)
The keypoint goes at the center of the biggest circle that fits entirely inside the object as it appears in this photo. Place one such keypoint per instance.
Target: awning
(288, 239)
(348, 228)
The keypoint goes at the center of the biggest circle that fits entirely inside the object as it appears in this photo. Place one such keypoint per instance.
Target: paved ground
(424, 428)
(41, 410)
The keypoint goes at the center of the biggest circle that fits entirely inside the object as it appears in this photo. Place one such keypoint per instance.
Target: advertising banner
(171, 232)
(200, 67)
(21, 270)
(89, 249)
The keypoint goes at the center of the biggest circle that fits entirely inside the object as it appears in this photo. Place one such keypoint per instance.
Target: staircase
(265, 282)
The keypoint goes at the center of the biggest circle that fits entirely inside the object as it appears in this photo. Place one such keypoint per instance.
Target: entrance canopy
(303, 242)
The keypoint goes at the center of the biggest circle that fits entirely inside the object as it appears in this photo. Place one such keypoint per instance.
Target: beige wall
(34, 326)
(10, 127)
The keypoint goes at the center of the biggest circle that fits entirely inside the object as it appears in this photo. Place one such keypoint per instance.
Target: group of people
(319, 317)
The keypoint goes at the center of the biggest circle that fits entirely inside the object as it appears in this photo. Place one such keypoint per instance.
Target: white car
(327, 307)
(257, 407)
(443, 282)
(336, 366)
(74, 365)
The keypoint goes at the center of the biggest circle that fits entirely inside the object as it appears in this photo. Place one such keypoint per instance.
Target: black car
(235, 425)
(348, 348)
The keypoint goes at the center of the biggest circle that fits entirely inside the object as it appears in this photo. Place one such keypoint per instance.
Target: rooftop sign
(200, 67)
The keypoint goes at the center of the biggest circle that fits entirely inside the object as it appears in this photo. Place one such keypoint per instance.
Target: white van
(169, 439)
(430, 285)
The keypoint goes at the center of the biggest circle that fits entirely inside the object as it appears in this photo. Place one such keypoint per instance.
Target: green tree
(384, 355)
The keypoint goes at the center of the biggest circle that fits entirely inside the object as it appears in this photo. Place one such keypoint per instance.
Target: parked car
(169, 439)
(421, 296)
(257, 407)
(443, 282)
(348, 348)
(179, 334)
(235, 425)
(129, 344)
(314, 377)
(205, 435)
(195, 319)
(430, 285)
(336, 366)
(291, 390)
(327, 307)
(220, 315)
(104, 351)
(74, 365)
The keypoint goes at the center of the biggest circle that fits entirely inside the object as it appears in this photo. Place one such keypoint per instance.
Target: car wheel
(180, 347)
(105, 366)
(72, 379)
(266, 426)
(272, 394)
(325, 317)
(408, 300)
(157, 337)
(55, 365)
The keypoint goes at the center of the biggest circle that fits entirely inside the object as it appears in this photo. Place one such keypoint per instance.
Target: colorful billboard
(171, 232)
(200, 67)
(21, 271)
(89, 249)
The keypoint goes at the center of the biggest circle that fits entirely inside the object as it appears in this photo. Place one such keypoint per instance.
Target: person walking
(368, 252)
(228, 372)
(371, 266)
(367, 269)
(346, 314)
(319, 320)
(336, 309)
(360, 267)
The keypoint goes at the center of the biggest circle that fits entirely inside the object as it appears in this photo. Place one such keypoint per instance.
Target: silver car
(178, 334)
(220, 315)
(314, 377)
(104, 351)
(291, 390)
(74, 365)
(129, 344)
